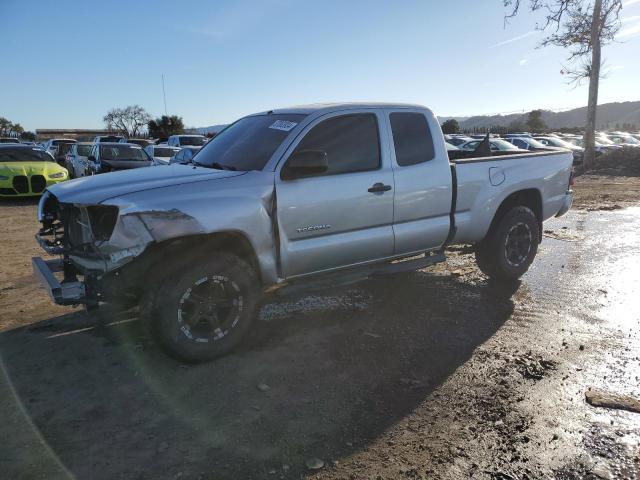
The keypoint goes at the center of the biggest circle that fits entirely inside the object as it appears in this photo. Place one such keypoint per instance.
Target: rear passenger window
(351, 142)
(412, 138)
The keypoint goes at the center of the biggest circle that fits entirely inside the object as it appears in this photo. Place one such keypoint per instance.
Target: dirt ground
(437, 374)
(606, 192)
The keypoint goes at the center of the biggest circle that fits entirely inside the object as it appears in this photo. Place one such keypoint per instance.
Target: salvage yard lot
(434, 374)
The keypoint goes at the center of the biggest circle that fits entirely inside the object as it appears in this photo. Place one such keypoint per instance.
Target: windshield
(557, 142)
(163, 152)
(138, 141)
(122, 153)
(503, 145)
(535, 143)
(196, 141)
(62, 142)
(249, 143)
(84, 150)
(8, 154)
(629, 140)
(604, 141)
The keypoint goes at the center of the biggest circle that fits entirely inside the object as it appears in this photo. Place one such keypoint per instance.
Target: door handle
(379, 187)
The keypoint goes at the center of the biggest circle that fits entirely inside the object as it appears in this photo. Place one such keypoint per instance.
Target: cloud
(515, 39)
(234, 18)
(523, 62)
(628, 3)
(631, 30)
(615, 68)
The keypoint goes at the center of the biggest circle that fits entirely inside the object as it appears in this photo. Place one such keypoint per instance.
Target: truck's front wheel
(203, 310)
(509, 249)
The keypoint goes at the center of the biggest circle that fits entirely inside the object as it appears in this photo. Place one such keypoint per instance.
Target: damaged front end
(93, 243)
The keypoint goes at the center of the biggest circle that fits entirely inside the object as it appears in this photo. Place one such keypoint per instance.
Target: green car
(27, 171)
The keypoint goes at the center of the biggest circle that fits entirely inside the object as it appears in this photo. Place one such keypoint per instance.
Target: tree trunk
(592, 106)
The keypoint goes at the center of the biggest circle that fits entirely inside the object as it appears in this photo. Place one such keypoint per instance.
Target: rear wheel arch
(530, 198)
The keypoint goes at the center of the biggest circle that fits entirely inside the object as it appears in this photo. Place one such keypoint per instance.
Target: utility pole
(164, 96)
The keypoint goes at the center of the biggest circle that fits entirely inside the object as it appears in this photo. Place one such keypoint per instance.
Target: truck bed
(482, 184)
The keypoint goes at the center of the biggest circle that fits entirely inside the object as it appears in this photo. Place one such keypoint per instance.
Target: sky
(67, 62)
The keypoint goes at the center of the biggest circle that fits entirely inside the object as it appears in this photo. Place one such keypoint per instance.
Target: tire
(510, 247)
(201, 311)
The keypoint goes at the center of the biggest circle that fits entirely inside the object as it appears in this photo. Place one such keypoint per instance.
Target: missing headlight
(103, 220)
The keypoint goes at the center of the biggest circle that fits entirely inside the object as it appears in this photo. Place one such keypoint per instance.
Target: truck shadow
(319, 376)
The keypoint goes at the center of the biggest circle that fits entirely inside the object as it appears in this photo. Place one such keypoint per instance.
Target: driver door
(343, 216)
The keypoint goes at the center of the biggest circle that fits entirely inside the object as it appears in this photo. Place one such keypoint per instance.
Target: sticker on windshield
(283, 125)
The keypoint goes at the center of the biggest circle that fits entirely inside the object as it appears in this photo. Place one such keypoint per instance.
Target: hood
(98, 188)
(30, 168)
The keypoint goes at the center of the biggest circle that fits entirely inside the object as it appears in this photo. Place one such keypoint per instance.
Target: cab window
(412, 138)
(351, 142)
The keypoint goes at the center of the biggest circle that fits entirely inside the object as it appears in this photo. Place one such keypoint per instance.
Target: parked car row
(88, 158)
(548, 142)
(108, 153)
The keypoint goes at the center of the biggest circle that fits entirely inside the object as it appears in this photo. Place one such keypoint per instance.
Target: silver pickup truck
(289, 199)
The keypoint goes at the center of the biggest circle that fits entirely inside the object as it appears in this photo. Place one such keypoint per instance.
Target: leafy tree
(9, 128)
(17, 129)
(535, 123)
(29, 136)
(582, 26)
(516, 126)
(128, 121)
(165, 126)
(451, 126)
(5, 126)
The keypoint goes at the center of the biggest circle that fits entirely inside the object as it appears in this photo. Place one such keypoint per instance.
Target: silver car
(75, 161)
(184, 155)
(161, 154)
(496, 144)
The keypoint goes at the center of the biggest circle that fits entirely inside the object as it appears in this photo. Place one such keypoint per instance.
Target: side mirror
(303, 163)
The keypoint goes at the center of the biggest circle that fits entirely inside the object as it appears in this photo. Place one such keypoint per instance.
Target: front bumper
(27, 187)
(568, 201)
(61, 292)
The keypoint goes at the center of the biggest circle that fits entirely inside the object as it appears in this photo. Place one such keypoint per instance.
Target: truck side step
(358, 274)
(410, 264)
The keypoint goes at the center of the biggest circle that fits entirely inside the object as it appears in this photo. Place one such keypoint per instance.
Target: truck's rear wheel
(509, 249)
(202, 311)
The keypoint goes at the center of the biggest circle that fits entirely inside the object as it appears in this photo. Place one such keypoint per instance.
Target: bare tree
(128, 121)
(582, 26)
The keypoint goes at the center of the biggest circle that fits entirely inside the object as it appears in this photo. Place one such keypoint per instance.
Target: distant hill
(211, 129)
(610, 115)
